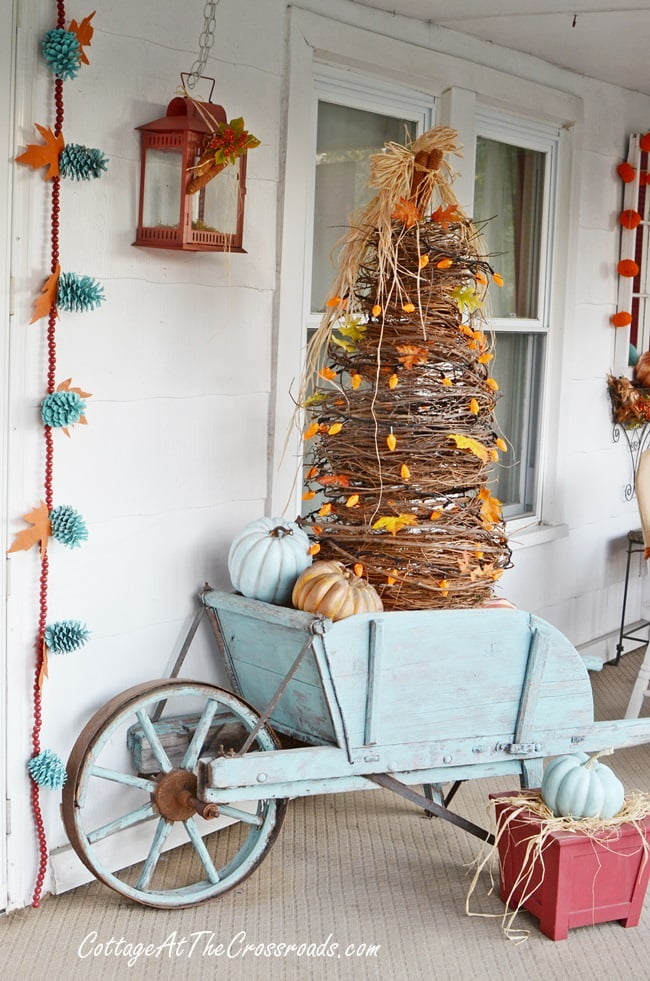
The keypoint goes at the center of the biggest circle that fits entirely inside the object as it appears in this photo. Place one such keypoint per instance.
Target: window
(356, 116)
(513, 206)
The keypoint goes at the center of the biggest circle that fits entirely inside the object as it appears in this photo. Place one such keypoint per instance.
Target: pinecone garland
(47, 770)
(61, 409)
(81, 163)
(78, 293)
(65, 636)
(68, 527)
(62, 52)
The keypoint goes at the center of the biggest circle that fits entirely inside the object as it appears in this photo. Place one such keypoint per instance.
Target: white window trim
(455, 81)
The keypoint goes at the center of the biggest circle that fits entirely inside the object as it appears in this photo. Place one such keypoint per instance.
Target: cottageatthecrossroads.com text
(205, 943)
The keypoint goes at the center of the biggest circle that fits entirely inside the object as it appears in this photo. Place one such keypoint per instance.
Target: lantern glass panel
(214, 208)
(162, 190)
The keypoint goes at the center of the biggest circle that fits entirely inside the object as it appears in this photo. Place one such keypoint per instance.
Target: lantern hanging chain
(206, 41)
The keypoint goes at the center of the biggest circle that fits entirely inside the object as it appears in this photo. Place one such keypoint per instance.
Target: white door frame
(7, 128)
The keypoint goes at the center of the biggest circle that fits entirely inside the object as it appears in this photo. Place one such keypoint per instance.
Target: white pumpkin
(267, 557)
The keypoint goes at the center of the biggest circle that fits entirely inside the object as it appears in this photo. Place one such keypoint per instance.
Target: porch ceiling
(603, 39)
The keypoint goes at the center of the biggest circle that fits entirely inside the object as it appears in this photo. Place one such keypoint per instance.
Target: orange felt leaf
(412, 355)
(65, 387)
(40, 530)
(446, 215)
(44, 154)
(47, 299)
(83, 33)
(467, 443)
(407, 212)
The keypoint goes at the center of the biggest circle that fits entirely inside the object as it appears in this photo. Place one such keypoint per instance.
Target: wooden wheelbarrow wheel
(131, 792)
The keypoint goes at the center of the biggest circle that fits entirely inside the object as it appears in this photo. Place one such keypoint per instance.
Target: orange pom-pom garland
(626, 172)
(629, 219)
(621, 319)
(628, 268)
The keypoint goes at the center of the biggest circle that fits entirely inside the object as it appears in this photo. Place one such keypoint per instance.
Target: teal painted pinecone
(68, 527)
(65, 636)
(78, 293)
(62, 409)
(47, 770)
(81, 163)
(62, 52)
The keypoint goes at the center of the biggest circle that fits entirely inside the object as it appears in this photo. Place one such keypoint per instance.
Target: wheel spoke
(119, 824)
(159, 839)
(156, 746)
(236, 812)
(200, 733)
(201, 850)
(126, 778)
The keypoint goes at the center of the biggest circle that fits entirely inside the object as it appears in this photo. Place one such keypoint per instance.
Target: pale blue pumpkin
(267, 557)
(579, 786)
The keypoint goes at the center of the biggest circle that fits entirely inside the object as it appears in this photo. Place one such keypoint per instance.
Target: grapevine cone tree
(399, 400)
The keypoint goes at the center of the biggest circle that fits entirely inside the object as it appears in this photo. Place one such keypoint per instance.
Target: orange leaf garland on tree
(468, 443)
(412, 355)
(40, 530)
(44, 154)
(490, 508)
(444, 216)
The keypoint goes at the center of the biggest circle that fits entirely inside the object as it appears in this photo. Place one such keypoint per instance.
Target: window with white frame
(514, 204)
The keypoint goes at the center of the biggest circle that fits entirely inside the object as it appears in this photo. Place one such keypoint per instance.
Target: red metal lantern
(171, 216)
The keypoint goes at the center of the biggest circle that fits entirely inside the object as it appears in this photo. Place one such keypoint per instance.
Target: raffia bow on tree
(400, 404)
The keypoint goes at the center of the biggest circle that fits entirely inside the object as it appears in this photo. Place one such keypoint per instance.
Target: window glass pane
(508, 204)
(346, 139)
(161, 205)
(518, 366)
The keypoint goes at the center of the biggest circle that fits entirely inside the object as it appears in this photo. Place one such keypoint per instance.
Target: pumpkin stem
(591, 762)
(280, 531)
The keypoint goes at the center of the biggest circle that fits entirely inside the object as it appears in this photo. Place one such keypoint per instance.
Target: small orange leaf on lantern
(408, 307)
(376, 310)
(412, 355)
(325, 510)
(481, 278)
(444, 264)
(40, 530)
(327, 373)
(356, 380)
(502, 445)
(404, 472)
(335, 428)
(473, 407)
(47, 300)
(357, 568)
(492, 383)
(313, 549)
(311, 430)
(423, 261)
(83, 33)
(352, 501)
(391, 577)
(485, 358)
(392, 381)
(436, 515)
(406, 212)
(307, 496)
(468, 443)
(498, 279)
(391, 441)
(44, 154)
(393, 524)
(447, 382)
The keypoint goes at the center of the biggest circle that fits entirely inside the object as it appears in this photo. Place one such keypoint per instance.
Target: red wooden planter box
(583, 880)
